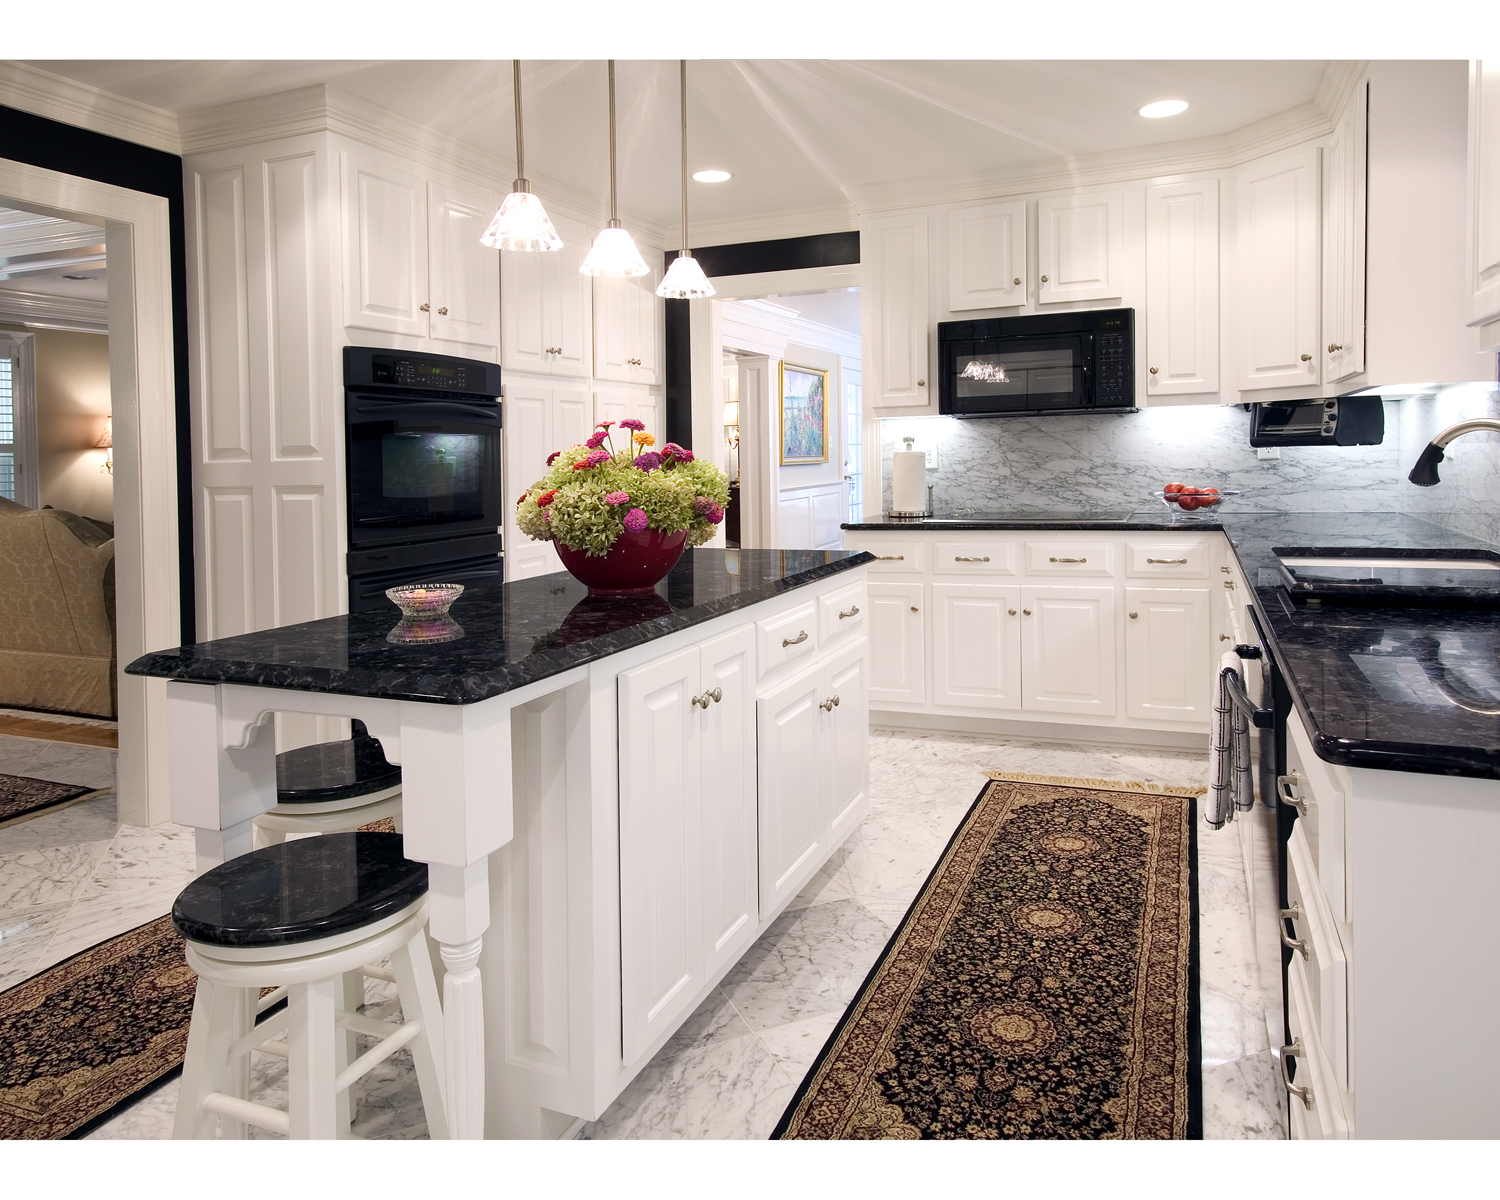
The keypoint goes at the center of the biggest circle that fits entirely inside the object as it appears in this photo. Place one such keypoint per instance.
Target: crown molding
(1338, 83)
(46, 95)
(729, 231)
(823, 337)
(1280, 131)
(54, 312)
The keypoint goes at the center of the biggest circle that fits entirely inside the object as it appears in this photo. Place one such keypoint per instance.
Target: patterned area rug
(1043, 984)
(22, 798)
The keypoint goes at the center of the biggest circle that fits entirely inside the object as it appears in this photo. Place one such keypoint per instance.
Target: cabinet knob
(1044, 279)
(830, 704)
(1153, 370)
(1011, 611)
(1224, 637)
(1133, 616)
(1016, 281)
(1334, 348)
(443, 312)
(921, 383)
(1307, 358)
(914, 608)
(426, 307)
(1027, 611)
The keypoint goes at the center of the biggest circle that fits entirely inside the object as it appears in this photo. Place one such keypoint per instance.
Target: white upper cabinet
(1344, 182)
(1484, 201)
(1080, 246)
(463, 273)
(628, 325)
(987, 255)
(894, 306)
(385, 247)
(1182, 288)
(546, 307)
(1276, 272)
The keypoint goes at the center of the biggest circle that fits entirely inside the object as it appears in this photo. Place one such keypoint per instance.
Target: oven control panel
(419, 371)
(367, 366)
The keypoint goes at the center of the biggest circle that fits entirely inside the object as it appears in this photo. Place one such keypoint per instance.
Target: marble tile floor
(733, 1067)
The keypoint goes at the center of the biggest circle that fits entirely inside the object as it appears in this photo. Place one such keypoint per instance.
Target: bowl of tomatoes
(1193, 503)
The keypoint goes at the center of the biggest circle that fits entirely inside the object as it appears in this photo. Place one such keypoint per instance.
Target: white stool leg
(351, 994)
(313, 1042)
(236, 1081)
(217, 1022)
(419, 1002)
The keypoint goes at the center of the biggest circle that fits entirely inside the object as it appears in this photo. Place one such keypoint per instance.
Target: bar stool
(332, 787)
(302, 917)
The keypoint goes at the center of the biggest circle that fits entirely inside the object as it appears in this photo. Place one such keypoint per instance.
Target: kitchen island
(627, 790)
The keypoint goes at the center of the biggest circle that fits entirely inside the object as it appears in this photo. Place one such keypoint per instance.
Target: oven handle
(419, 408)
(1261, 718)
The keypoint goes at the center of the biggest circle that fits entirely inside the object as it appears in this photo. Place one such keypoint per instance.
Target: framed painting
(804, 415)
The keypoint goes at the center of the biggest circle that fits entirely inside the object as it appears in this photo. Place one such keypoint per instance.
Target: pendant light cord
(614, 205)
(521, 184)
(685, 242)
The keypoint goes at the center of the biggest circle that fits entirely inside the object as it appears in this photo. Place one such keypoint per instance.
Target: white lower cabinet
(1068, 650)
(687, 828)
(898, 635)
(1167, 670)
(976, 629)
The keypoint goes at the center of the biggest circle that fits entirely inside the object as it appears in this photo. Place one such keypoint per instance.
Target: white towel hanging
(1233, 787)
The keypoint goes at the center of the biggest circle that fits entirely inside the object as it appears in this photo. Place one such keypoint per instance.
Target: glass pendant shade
(685, 279)
(522, 224)
(614, 255)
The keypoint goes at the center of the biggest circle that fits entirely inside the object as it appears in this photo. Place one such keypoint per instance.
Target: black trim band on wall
(739, 258)
(54, 146)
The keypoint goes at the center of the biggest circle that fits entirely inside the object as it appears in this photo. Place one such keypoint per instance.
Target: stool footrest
(376, 1054)
(248, 1111)
(375, 972)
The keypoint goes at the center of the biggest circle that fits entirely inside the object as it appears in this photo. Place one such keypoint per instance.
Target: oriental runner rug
(1043, 984)
(22, 798)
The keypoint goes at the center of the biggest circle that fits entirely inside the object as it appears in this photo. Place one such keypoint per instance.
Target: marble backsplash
(1094, 462)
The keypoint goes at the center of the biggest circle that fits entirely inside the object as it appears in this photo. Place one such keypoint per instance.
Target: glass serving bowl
(424, 600)
(1201, 505)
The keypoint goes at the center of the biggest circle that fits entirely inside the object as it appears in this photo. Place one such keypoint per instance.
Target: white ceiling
(796, 134)
(837, 309)
(49, 256)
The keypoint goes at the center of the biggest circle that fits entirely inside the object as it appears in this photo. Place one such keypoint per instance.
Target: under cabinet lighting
(1164, 108)
(712, 176)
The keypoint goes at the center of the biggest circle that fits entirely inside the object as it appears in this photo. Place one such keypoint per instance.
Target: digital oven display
(419, 372)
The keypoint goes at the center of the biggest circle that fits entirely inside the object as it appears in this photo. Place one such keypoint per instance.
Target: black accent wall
(41, 142)
(740, 258)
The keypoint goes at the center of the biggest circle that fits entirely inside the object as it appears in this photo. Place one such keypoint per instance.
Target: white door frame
(23, 415)
(142, 403)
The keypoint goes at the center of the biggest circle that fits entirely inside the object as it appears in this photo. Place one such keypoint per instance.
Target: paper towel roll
(909, 481)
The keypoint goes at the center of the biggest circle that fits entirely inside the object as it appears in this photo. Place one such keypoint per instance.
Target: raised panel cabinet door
(976, 645)
(846, 756)
(385, 247)
(1484, 200)
(1080, 246)
(729, 848)
(1167, 676)
(791, 741)
(1182, 288)
(827, 514)
(1068, 650)
(894, 311)
(987, 255)
(464, 274)
(1277, 261)
(527, 432)
(898, 638)
(569, 300)
(1343, 347)
(649, 320)
(612, 406)
(614, 328)
(571, 413)
(661, 841)
(526, 328)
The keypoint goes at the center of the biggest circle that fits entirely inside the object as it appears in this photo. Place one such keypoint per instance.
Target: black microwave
(1033, 365)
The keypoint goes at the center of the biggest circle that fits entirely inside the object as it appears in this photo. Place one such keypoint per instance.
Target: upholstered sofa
(57, 641)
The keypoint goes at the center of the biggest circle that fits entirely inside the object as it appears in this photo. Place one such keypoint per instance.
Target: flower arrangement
(593, 492)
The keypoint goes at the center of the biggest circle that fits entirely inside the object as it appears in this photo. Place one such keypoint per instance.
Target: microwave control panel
(1112, 367)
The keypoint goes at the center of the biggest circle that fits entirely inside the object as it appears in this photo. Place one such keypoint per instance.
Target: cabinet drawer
(1308, 927)
(1070, 558)
(1311, 787)
(974, 558)
(842, 612)
(893, 556)
(785, 638)
(1176, 559)
(1318, 1114)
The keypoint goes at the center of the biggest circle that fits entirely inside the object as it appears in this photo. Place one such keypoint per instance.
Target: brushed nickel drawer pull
(957, 558)
(1168, 562)
(1075, 560)
(1284, 785)
(796, 641)
(1304, 1094)
(853, 612)
(890, 558)
(1293, 914)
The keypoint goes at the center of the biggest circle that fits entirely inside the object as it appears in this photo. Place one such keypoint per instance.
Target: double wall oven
(423, 468)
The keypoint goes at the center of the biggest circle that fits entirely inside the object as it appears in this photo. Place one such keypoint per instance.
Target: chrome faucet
(1424, 473)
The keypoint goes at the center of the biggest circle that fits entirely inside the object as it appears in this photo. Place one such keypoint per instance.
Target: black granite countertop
(1147, 521)
(513, 634)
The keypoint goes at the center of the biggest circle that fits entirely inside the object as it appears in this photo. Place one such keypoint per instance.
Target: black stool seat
(300, 891)
(335, 770)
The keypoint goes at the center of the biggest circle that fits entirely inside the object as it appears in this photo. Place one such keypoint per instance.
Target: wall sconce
(106, 443)
(732, 423)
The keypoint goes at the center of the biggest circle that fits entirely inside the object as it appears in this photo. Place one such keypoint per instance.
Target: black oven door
(1017, 375)
(421, 469)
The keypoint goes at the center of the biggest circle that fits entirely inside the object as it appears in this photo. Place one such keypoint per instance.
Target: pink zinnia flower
(716, 516)
(648, 461)
(604, 424)
(596, 440)
(703, 505)
(617, 498)
(632, 423)
(635, 520)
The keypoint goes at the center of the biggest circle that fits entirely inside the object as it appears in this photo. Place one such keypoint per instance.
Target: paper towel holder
(912, 515)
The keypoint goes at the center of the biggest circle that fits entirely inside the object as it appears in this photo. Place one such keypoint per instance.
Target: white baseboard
(1041, 731)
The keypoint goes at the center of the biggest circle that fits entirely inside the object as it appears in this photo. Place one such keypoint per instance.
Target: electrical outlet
(932, 459)
(1268, 452)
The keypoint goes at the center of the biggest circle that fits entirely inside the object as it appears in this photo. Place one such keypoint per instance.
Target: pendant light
(521, 223)
(613, 253)
(685, 279)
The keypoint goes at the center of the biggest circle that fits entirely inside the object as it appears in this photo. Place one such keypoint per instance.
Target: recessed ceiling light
(77, 276)
(712, 176)
(1164, 108)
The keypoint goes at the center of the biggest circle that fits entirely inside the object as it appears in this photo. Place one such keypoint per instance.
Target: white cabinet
(546, 307)
(987, 255)
(1343, 340)
(1068, 650)
(616, 406)
(413, 263)
(538, 419)
(898, 633)
(813, 733)
(1167, 676)
(687, 829)
(1080, 240)
(1182, 288)
(1484, 201)
(976, 638)
(628, 325)
(809, 518)
(894, 305)
(1276, 272)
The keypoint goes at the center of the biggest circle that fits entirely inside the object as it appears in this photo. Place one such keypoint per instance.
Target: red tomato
(1189, 503)
(1172, 488)
(1190, 491)
(1209, 491)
